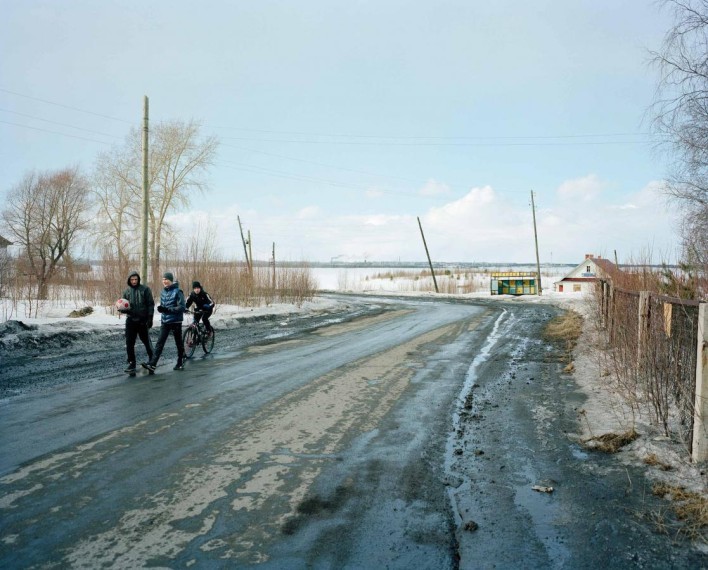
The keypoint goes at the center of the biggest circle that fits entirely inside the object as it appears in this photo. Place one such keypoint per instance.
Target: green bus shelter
(513, 283)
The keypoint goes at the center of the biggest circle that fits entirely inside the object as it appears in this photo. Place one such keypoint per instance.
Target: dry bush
(454, 281)
(234, 283)
(653, 367)
(689, 508)
(611, 442)
(565, 329)
(654, 461)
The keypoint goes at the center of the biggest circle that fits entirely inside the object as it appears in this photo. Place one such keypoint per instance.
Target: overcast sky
(342, 122)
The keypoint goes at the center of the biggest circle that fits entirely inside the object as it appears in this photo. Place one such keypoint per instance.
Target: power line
(53, 132)
(429, 137)
(444, 144)
(65, 106)
(314, 163)
(305, 178)
(376, 136)
(60, 124)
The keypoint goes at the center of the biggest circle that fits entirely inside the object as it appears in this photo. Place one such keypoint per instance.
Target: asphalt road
(404, 434)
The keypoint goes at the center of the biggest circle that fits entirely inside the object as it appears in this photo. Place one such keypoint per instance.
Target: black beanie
(167, 275)
(196, 284)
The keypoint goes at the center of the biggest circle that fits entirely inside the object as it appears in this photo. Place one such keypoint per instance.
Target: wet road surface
(410, 437)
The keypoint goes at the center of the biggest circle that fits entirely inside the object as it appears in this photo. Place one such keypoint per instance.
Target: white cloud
(379, 220)
(482, 225)
(434, 188)
(308, 212)
(584, 189)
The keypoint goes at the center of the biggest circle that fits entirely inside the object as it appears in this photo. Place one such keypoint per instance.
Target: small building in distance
(513, 283)
(582, 279)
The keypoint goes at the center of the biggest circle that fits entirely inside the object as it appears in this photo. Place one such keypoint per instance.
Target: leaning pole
(432, 271)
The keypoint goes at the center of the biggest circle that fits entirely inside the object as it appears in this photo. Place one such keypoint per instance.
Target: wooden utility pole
(146, 194)
(273, 266)
(428, 255)
(245, 249)
(535, 237)
(699, 450)
(250, 252)
(616, 263)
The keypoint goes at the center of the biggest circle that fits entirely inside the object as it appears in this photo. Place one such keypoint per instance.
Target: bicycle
(196, 334)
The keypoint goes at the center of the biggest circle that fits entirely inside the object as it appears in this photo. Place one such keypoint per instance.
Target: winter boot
(149, 366)
(130, 369)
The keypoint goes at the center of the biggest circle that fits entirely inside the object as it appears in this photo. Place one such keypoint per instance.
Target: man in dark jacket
(171, 307)
(203, 303)
(138, 318)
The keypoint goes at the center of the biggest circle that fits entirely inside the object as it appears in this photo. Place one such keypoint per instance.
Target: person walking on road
(138, 318)
(203, 303)
(171, 307)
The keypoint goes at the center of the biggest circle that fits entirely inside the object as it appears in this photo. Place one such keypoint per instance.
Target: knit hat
(196, 284)
(167, 275)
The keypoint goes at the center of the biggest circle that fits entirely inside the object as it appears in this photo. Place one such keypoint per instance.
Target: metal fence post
(700, 414)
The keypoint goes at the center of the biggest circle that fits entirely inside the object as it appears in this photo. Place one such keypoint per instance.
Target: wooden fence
(662, 345)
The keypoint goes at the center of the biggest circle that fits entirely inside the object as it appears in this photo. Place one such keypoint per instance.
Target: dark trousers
(134, 330)
(175, 329)
(205, 315)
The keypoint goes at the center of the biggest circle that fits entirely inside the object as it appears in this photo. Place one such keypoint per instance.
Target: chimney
(589, 256)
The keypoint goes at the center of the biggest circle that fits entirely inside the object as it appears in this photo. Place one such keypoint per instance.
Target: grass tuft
(565, 330)
(653, 460)
(691, 509)
(611, 442)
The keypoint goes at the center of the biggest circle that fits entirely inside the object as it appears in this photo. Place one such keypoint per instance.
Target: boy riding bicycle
(203, 303)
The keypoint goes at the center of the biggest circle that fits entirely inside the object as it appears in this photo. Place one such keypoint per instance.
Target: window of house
(587, 269)
(577, 287)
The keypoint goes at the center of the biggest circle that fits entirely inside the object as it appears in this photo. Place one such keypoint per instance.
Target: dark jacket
(202, 301)
(173, 303)
(142, 304)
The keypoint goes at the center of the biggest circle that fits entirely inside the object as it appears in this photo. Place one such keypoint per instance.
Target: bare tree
(178, 162)
(118, 222)
(680, 113)
(44, 214)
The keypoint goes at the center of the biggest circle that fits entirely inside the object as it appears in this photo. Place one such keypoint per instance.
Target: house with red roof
(583, 277)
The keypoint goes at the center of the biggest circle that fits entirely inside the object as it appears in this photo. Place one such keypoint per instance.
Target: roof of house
(4, 242)
(582, 272)
(606, 265)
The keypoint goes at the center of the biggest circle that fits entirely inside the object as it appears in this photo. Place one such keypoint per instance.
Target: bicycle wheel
(190, 341)
(208, 341)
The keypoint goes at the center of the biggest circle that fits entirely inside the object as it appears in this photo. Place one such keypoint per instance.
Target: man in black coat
(138, 318)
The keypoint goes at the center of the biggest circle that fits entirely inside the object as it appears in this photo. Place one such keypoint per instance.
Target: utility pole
(245, 250)
(274, 267)
(428, 255)
(146, 192)
(616, 262)
(535, 237)
(250, 253)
